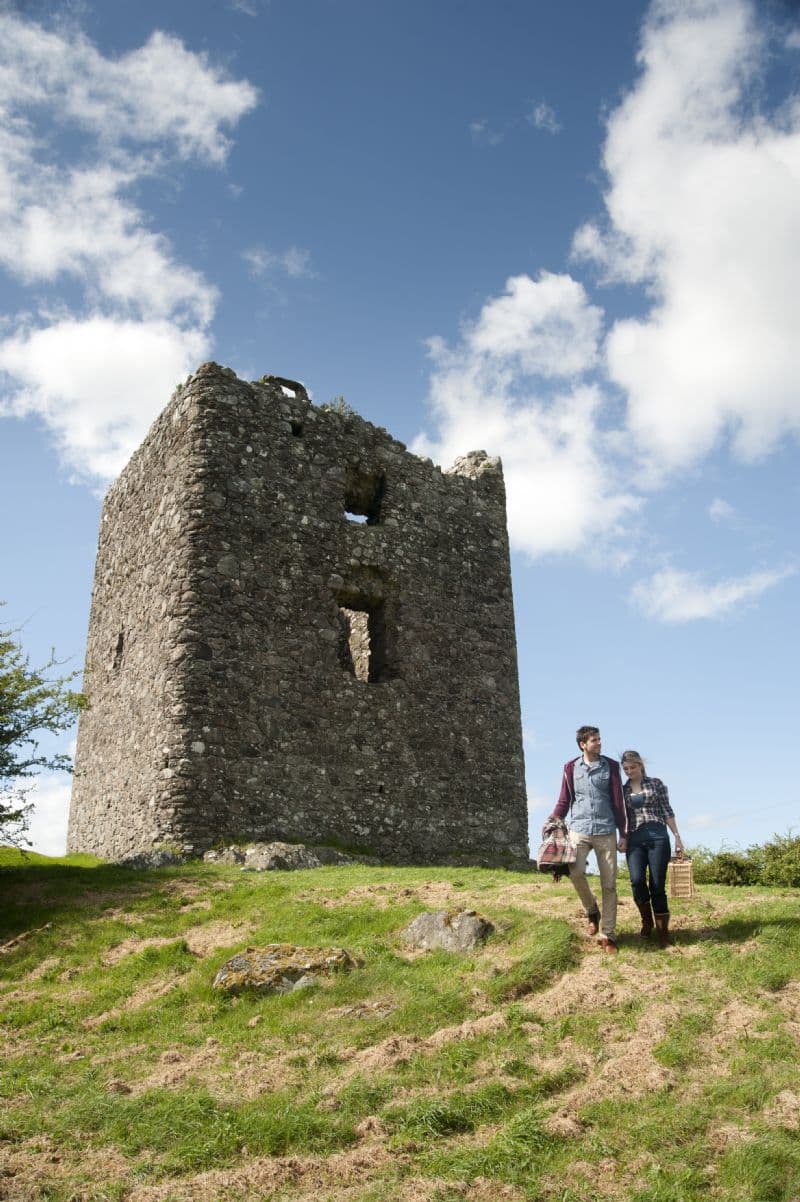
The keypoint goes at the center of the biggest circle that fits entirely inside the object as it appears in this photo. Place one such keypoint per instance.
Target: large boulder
(281, 968)
(454, 932)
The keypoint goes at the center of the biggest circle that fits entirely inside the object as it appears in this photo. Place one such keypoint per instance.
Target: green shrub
(702, 859)
(773, 863)
(735, 868)
(781, 861)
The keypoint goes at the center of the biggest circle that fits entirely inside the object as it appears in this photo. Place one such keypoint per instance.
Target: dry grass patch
(201, 940)
(39, 1169)
(398, 1049)
(784, 1111)
(259, 1178)
(151, 991)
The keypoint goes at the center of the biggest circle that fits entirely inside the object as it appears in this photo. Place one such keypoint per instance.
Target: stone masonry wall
(262, 666)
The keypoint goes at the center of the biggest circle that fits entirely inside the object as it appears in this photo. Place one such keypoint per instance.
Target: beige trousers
(605, 848)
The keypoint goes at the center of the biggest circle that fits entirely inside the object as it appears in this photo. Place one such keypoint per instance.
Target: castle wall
(292, 673)
(129, 788)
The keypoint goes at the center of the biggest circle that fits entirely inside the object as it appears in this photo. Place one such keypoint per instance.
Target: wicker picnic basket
(680, 879)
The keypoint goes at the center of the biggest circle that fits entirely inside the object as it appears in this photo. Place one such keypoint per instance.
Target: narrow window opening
(362, 643)
(297, 429)
(118, 650)
(363, 496)
(289, 388)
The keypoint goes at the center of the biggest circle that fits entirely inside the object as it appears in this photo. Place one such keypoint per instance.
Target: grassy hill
(536, 1068)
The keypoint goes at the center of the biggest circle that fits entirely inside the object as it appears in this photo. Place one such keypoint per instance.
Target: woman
(648, 848)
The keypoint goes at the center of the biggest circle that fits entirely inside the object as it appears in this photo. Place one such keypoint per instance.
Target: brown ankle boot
(662, 930)
(646, 911)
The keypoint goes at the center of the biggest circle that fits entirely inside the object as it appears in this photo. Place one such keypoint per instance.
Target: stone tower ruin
(299, 631)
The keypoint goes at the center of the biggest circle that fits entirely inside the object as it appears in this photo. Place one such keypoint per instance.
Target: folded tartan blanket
(557, 851)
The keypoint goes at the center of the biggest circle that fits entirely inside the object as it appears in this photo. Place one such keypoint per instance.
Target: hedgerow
(774, 863)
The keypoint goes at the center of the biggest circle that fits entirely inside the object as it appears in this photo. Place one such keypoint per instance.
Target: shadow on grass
(753, 952)
(737, 930)
(766, 930)
(35, 891)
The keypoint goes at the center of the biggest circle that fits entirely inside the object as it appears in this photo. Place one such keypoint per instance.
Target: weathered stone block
(280, 968)
(460, 932)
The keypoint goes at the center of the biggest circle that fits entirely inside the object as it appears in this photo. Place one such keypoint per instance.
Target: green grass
(554, 950)
(92, 1037)
(519, 1154)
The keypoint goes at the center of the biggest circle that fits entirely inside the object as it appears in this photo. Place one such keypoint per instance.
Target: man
(591, 803)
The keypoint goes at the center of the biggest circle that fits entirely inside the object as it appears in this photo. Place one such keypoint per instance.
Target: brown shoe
(608, 945)
(593, 921)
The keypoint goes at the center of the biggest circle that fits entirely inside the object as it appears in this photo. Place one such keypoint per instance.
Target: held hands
(623, 844)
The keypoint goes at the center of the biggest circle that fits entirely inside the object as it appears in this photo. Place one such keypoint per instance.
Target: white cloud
(160, 93)
(671, 595)
(513, 386)
(703, 208)
(701, 822)
(721, 511)
(544, 327)
(97, 373)
(703, 216)
(47, 831)
(294, 262)
(77, 224)
(542, 116)
(98, 383)
(481, 132)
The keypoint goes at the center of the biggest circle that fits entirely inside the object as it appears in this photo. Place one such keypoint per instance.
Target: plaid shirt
(654, 808)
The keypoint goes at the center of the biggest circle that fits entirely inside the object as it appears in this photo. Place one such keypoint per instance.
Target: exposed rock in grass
(160, 857)
(269, 857)
(281, 968)
(461, 932)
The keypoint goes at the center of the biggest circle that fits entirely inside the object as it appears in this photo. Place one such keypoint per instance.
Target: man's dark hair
(583, 732)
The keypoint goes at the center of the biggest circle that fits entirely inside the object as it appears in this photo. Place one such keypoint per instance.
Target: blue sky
(568, 234)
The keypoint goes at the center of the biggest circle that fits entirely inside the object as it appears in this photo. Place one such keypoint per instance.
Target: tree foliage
(32, 701)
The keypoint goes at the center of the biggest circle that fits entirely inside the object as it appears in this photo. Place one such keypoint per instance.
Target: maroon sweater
(567, 795)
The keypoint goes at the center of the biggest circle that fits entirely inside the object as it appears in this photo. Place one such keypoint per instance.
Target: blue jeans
(649, 848)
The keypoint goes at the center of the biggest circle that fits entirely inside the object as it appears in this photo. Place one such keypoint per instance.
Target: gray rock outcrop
(280, 968)
(459, 932)
(277, 856)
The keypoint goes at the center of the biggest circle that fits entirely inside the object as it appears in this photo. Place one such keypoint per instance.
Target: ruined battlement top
(213, 388)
